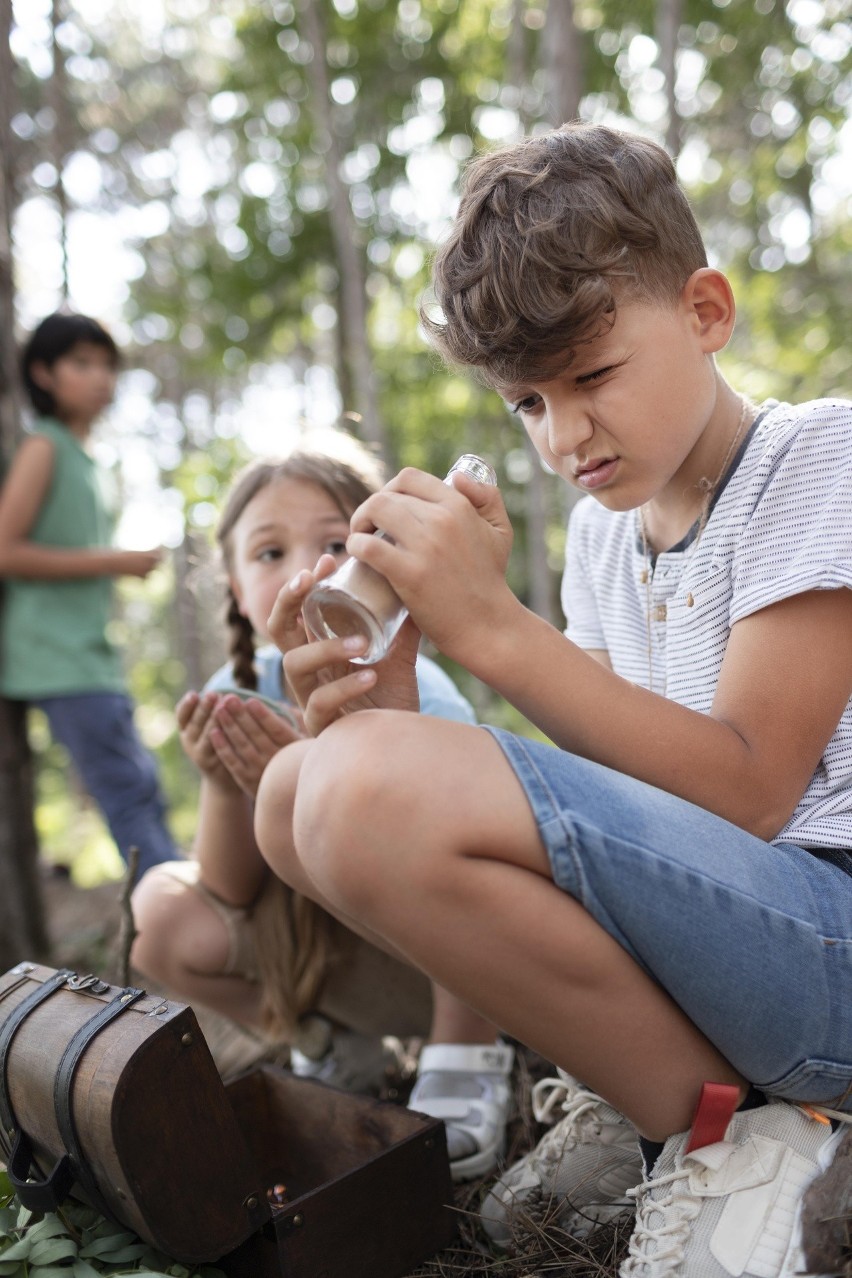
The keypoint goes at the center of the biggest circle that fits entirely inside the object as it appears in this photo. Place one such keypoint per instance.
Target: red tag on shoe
(716, 1107)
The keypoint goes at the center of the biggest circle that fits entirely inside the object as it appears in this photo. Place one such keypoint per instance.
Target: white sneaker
(467, 1085)
(579, 1173)
(730, 1209)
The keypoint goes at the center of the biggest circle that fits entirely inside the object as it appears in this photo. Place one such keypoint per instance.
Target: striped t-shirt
(781, 525)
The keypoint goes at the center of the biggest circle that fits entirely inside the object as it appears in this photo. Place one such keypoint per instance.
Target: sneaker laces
(547, 1095)
(669, 1235)
(581, 1116)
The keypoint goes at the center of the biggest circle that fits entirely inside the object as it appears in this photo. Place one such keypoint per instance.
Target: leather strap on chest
(8, 1030)
(46, 1193)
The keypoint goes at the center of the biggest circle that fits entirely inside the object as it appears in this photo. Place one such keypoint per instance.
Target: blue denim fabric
(98, 732)
(753, 940)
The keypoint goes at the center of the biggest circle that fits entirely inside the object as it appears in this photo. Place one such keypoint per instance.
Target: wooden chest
(112, 1095)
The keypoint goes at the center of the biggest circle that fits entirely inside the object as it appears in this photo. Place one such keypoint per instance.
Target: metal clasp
(87, 982)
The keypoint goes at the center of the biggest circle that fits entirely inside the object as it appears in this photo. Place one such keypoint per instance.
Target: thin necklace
(708, 488)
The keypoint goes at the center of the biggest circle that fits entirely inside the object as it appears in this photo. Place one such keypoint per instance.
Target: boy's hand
(138, 563)
(327, 685)
(445, 555)
(245, 736)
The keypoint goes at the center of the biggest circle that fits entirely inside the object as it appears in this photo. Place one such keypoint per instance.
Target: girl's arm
(21, 499)
(225, 848)
(788, 664)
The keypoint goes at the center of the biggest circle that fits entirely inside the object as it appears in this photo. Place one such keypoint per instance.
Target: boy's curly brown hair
(551, 232)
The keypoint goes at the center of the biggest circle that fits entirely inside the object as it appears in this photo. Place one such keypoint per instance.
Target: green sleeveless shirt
(53, 634)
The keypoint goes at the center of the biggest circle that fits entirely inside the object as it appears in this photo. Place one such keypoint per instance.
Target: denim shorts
(752, 939)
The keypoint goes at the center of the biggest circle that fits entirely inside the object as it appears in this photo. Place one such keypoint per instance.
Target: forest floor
(84, 925)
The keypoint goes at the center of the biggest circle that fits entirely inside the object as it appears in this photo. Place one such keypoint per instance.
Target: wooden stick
(128, 931)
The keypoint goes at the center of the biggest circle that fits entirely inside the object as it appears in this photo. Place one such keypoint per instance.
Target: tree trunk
(562, 58)
(669, 17)
(345, 234)
(59, 136)
(539, 577)
(22, 932)
(517, 61)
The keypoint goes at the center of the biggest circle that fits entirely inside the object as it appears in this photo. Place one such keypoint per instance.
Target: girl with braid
(220, 929)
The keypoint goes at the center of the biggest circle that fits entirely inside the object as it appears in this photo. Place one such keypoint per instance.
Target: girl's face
(284, 528)
(82, 382)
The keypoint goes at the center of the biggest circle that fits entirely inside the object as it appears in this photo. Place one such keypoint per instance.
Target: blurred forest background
(248, 191)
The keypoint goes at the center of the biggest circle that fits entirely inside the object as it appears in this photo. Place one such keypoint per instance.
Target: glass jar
(357, 600)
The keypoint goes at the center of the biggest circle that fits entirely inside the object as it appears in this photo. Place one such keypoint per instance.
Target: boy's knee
(345, 783)
(274, 802)
(350, 803)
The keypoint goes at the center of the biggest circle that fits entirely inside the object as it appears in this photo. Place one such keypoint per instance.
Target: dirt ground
(83, 925)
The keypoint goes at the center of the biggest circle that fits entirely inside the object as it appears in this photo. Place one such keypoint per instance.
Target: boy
(56, 522)
(662, 904)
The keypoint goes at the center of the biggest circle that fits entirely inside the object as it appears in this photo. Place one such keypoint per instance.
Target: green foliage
(77, 1242)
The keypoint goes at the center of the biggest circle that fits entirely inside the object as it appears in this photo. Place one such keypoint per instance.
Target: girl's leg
(186, 945)
(417, 831)
(98, 732)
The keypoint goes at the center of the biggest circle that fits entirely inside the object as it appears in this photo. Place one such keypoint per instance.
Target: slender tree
(668, 19)
(353, 315)
(22, 933)
(61, 117)
(562, 58)
(536, 505)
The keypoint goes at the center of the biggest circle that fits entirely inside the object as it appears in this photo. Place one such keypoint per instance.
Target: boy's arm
(21, 499)
(785, 680)
(790, 663)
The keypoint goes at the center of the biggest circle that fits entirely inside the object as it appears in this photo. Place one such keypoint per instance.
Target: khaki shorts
(365, 990)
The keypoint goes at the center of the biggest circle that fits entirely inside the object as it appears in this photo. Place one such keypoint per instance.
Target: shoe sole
(577, 1223)
(477, 1165)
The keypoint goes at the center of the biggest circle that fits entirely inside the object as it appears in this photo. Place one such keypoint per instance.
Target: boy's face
(81, 382)
(624, 418)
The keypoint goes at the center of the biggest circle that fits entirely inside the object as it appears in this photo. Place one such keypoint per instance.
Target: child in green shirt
(57, 565)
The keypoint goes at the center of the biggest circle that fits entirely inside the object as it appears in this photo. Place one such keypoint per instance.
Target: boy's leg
(747, 933)
(416, 831)
(457, 1022)
(446, 1077)
(98, 732)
